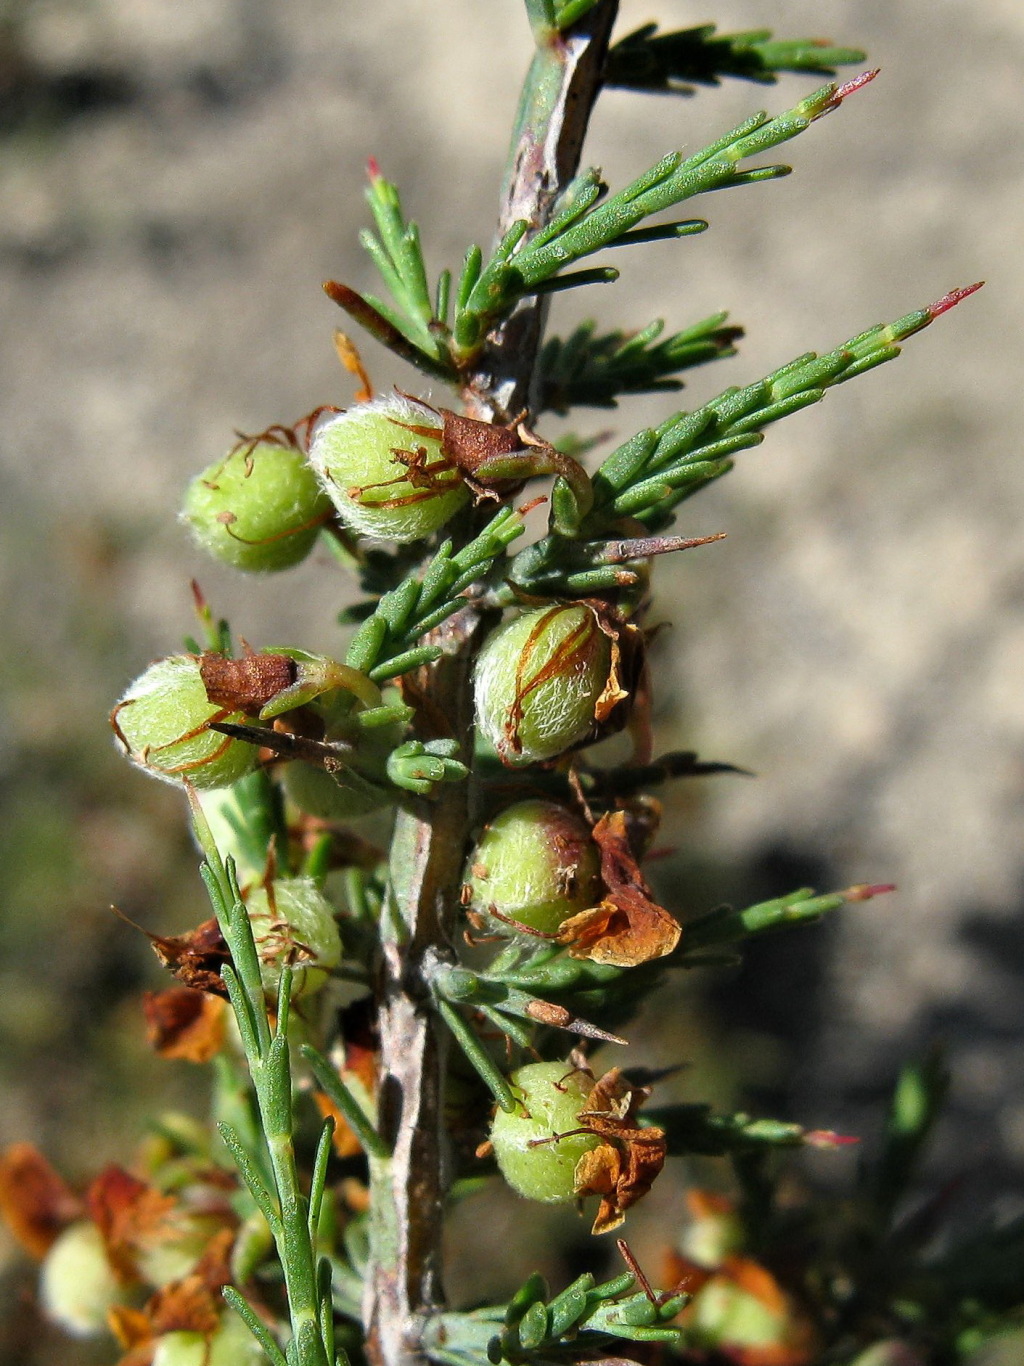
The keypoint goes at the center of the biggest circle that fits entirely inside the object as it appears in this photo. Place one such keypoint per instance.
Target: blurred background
(177, 178)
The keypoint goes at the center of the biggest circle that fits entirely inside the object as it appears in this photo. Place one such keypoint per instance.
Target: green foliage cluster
(446, 996)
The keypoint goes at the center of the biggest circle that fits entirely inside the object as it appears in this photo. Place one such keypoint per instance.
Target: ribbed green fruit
(78, 1285)
(162, 723)
(551, 1096)
(259, 509)
(538, 682)
(535, 863)
(294, 926)
(354, 455)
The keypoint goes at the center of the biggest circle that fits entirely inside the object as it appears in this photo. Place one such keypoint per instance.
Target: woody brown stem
(428, 850)
(554, 110)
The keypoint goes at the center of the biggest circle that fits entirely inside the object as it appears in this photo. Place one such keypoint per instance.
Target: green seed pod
(294, 926)
(727, 1316)
(78, 1285)
(542, 681)
(231, 1345)
(162, 723)
(537, 864)
(551, 1096)
(260, 508)
(383, 466)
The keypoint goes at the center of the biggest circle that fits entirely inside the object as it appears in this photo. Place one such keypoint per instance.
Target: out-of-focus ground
(177, 178)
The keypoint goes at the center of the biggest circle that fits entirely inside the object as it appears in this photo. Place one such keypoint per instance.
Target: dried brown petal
(184, 1023)
(622, 1170)
(35, 1201)
(628, 927)
(130, 1215)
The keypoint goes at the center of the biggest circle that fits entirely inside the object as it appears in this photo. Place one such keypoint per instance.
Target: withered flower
(627, 927)
(622, 1169)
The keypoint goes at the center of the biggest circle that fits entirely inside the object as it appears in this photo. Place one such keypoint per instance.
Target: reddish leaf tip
(951, 299)
(373, 168)
(828, 1138)
(851, 87)
(864, 891)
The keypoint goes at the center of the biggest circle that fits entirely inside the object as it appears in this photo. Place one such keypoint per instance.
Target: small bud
(383, 467)
(78, 1284)
(532, 1158)
(294, 926)
(163, 724)
(535, 863)
(418, 766)
(260, 508)
(543, 681)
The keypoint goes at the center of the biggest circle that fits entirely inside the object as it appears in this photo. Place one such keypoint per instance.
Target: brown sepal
(627, 927)
(184, 1023)
(622, 1170)
(245, 684)
(36, 1202)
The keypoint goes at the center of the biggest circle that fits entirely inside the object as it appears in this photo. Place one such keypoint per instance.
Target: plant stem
(428, 848)
(558, 95)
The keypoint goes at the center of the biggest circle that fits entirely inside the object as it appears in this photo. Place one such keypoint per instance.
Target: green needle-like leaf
(481, 1060)
(512, 273)
(652, 472)
(591, 369)
(384, 646)
(649, 60)
(255, 1325)
(355, 1116)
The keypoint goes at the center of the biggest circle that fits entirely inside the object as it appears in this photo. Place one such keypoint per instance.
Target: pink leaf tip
(828, 1138)
(373, 168)
(842, 92)
(864, 891)
(951, 299)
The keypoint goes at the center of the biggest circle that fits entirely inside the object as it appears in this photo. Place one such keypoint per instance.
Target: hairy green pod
(294, 926)
(231, 1345)
(385, 470)
(162, 724)
(535, 863)
(77, 1283)
(539, 682)
(531, 1158)
(259, 509)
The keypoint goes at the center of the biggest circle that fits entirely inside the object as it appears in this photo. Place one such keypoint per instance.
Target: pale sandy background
(177, 176)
